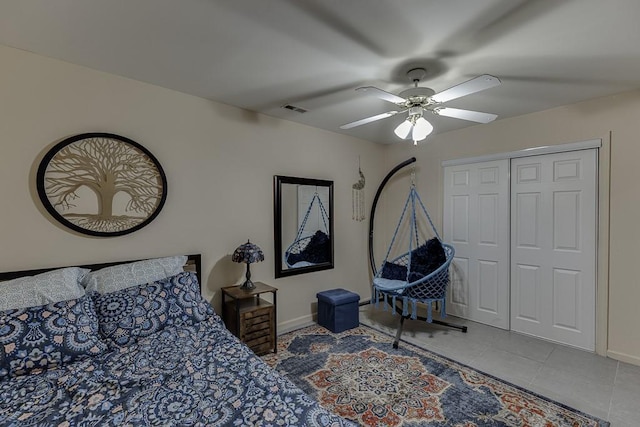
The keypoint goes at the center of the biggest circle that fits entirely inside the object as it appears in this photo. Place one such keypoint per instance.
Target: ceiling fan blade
(474, 85)
(472, 116)
(368, 120)
(379, 93)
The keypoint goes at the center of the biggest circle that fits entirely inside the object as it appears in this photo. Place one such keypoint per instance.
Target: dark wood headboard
(194, 263)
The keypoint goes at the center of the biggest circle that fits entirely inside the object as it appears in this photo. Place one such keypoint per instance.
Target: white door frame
(545, 149)
(602, 250)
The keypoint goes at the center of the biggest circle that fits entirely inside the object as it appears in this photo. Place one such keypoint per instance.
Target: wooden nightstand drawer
(251, 318)
(258, 314)
(253, 342)
(248, 337)
(256, 329)
(265, 323)
(255, 324)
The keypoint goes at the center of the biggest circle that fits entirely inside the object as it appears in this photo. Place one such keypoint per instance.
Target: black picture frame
(280, 182)
(145, 171)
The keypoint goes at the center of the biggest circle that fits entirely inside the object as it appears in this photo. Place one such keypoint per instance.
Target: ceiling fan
(417, 100)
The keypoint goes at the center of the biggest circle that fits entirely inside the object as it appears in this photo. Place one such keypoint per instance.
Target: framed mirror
(303, 225)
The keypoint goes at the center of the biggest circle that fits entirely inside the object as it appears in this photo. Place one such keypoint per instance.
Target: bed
(129, 355)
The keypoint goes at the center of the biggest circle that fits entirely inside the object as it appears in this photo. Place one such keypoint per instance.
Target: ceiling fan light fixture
(418, 100)
(421, 129)
(404, 129)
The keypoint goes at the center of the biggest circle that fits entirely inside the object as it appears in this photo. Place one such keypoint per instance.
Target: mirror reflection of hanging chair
(420, 274)
(314, 247)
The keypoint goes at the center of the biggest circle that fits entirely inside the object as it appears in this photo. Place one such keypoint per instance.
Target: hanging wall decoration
(101, 184)
(357, 197)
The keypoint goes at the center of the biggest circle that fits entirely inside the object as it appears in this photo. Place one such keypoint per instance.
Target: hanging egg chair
(417, 273)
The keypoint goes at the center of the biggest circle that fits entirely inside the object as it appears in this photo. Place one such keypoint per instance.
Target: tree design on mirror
(101, 184)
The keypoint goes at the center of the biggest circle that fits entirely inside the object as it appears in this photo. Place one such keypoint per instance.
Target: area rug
(358, 375)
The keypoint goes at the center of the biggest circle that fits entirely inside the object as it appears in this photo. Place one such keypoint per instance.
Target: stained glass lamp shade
(248, 253)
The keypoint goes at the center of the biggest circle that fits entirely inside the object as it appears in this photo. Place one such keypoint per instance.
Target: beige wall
(615, 120)
(219, 163)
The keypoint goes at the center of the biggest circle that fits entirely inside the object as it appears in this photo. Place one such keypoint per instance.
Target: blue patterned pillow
(47, 336)
(122, 276)
(45, 288)
(139, 311)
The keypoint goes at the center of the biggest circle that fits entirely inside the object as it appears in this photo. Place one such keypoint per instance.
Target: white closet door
(553, 247)
(476, 218)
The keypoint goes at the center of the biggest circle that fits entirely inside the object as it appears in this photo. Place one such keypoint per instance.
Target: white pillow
(122, 276)
(46, 288)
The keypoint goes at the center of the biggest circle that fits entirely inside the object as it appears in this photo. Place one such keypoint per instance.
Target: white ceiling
(263, 54)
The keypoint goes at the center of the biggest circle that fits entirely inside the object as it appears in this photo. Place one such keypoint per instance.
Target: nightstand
(251, 318)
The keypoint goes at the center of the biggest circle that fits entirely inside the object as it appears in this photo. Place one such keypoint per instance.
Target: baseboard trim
(297, 323)
(623, 357)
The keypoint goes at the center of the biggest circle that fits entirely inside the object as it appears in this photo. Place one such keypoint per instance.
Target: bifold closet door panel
(553, 246)
(476, 218)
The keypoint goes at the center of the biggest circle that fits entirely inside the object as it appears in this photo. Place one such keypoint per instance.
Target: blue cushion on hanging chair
(424, 260)
(389, 285)
(393, 271)
(427, 258)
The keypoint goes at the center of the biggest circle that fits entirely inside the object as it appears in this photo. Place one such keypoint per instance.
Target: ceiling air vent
(294, 108)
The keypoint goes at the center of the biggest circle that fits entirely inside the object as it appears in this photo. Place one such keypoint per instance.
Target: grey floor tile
(508, 366)
(616, 421)
(526, 346)
(625, 402)
(485, 334)
(629, 376)
(450, 343)
(457, 349)
(575, 391)
(583, 364)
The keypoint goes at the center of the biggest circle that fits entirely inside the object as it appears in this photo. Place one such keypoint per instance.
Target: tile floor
(593, 384)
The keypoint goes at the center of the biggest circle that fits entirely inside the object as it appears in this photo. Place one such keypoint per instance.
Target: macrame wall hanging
(357, 196)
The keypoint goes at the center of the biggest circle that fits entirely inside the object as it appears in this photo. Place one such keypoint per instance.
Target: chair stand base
(437, 322)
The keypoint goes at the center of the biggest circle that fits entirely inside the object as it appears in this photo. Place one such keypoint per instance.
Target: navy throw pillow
(428, 257)
(393, 271)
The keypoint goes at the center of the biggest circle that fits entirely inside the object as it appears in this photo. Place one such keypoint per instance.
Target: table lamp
(248, 253)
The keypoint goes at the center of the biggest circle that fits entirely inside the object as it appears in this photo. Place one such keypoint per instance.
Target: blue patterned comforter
(181, 376)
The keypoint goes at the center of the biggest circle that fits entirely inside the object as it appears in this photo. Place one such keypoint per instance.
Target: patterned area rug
(358, 375)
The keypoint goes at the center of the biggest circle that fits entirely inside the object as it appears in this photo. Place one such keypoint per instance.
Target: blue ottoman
(338, 309)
